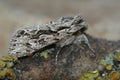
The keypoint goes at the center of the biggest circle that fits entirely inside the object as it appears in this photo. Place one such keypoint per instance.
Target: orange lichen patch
(6, 58)
(11, 74)
(90, 75)
(2, 64)
(108, 61)
(9, 58)
(2, 74)
(117, 56)
(6, 72)
(108, 66)
(6, 64)
(114, 75)
(8, 61)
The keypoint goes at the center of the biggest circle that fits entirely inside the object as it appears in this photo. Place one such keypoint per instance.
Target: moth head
(80, 23)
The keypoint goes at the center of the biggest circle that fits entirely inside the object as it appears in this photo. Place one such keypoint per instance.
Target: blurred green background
(103, 16)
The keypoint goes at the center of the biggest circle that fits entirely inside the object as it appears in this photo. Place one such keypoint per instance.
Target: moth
(62, 32)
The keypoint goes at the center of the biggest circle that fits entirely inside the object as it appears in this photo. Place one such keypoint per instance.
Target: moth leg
(35, 55)
(86, 42)
(82, 39)
(64, 42)
(56, 57)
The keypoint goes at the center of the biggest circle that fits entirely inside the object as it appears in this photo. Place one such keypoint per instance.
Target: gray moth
(62, 32)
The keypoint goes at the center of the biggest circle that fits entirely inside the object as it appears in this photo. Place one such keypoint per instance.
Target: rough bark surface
(73, 61)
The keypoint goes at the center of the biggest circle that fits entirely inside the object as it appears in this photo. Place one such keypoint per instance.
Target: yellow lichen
(3, 73)
(9, 58)
(7, 72)
(44, 54)
(2, 64)
(108, 66)
(99, 78)
(90, 75)
(108, 62)
(6, 64)
(6, 58)
(102, 62)
(105, 78)
(117, 56)
(11, 74)
(10, 64)
(114, 75)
